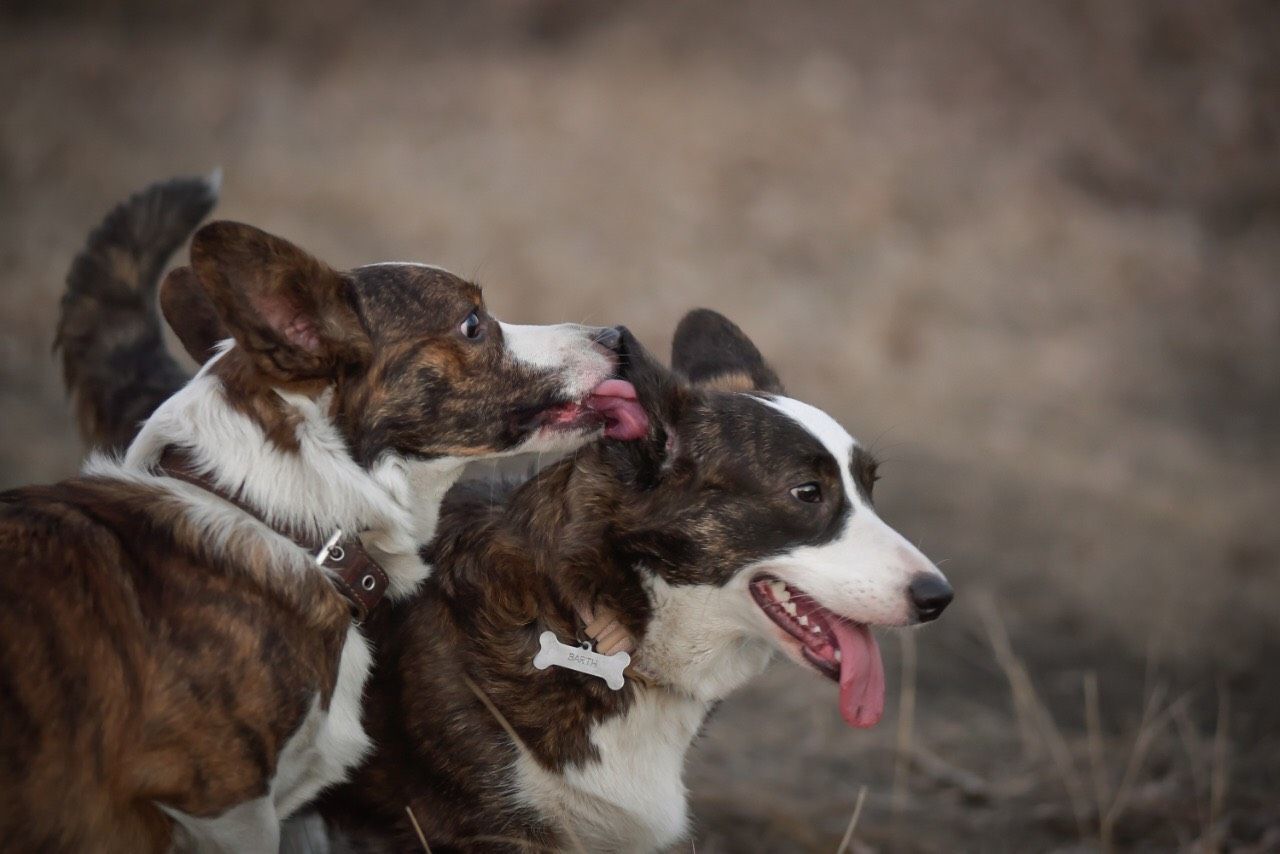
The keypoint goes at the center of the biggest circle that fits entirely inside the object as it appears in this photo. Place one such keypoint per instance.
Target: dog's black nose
(609, 337)
(930, 594)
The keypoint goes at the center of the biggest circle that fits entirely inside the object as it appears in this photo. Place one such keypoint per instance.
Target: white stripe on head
(826, 430)
(542, 346)
(864, 573)
(565, 348)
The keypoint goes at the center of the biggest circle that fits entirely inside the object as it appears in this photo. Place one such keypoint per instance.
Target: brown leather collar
(357, 576)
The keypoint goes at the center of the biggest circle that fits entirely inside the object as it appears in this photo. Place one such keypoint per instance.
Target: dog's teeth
(779, 591)
(804, 621)
(789, 607)
(838, 656)
(817, 630)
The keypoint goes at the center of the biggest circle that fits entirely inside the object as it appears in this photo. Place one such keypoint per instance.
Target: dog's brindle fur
(626, 526)
(167, 658)
(141, 666)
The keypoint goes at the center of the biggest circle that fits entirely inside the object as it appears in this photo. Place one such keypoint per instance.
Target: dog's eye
(470, 327)
(809, 493)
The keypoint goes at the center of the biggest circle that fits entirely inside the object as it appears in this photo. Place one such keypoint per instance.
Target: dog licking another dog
(188, 671)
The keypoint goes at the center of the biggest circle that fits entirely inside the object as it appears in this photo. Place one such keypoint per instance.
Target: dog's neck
(691, 655)
(312, 489)
(688, 645)
(692, 649)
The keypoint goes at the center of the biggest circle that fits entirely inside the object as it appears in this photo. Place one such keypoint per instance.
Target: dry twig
(1027, 702)
(417, 828)
(933, 766)
(1097, 760)
(1147, 730)
(519, 742)
(1220, 777)
(847, 839)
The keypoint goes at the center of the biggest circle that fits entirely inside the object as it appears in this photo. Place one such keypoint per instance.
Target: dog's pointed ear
(191, 315)
(711, 352)
(293, 315)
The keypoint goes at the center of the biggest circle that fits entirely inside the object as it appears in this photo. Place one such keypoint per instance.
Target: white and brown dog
(741, 525)
(177, 666)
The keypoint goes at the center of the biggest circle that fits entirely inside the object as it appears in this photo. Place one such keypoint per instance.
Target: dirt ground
(1029, 253)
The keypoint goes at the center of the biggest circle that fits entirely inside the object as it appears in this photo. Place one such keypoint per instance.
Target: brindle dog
(174, 666)
(741, 524)
(734, 488)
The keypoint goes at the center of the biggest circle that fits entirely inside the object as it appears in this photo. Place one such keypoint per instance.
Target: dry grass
(1219, 781)
(1034, 717)
(846, 841)
(1097, 759)
(1203, 786)
(417, 829)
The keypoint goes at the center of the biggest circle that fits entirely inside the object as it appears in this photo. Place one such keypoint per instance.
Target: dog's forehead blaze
(817, 423)
(768, 435)
(751, 448)
(750, 453)
(856, 465)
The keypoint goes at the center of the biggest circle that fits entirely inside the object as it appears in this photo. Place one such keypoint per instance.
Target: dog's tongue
(625, 418)
(861, 674)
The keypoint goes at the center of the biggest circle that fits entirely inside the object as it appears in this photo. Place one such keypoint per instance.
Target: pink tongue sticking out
(625, 418)
(861, 674)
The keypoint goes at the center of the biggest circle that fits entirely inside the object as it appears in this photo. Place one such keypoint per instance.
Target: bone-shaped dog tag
(556, 654)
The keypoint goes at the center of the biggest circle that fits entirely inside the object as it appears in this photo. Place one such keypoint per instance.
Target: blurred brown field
(1029, 253)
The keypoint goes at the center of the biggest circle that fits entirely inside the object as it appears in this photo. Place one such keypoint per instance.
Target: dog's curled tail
(114, 361)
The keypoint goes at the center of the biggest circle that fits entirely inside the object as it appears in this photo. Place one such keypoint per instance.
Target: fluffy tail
(114, 361)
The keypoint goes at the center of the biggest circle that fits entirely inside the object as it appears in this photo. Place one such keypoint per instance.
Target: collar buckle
(357, 576)
(331, 550)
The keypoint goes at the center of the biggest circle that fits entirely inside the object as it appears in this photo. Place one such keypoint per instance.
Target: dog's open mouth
(841, 650)
(613, 403)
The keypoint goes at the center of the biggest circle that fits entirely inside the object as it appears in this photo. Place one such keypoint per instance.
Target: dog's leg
(248, 828)
(305, 834)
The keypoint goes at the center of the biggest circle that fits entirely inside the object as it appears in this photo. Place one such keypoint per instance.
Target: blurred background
(1029, 253)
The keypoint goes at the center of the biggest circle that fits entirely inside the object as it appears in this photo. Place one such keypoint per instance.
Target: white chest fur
(320, 753)
(633, 799)
(329, 743)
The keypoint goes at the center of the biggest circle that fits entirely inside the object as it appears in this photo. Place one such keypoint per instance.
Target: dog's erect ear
(711, 352)
(190, 314)
(292, 314)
